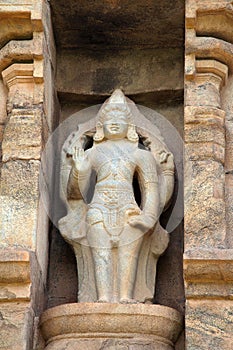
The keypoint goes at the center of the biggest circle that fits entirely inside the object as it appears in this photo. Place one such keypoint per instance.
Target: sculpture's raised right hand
(79, 159)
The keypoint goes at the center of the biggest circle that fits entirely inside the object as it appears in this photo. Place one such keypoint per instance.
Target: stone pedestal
(97, 326)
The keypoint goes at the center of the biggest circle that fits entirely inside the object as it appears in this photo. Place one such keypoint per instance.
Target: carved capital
(206, 71)
(24, 84)
(211, 71)
(18, 73)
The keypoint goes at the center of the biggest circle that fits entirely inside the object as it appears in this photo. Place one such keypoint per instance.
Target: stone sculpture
(116, 239)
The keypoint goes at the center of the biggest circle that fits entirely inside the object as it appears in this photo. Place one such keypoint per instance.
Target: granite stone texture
(23, 135)
(208, 211)
(209, 323)
(13, 325)
(23, 223)
(19, 203)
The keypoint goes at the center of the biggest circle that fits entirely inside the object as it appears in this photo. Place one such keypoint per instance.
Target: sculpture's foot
(103, 300)
(148, 300)
(128, 301)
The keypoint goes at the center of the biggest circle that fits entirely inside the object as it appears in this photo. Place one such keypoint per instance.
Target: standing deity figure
(116, 239)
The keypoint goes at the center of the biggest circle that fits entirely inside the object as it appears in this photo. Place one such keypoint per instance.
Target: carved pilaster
(207, 257)
(23, 221)
(22, 80)
(205, 154)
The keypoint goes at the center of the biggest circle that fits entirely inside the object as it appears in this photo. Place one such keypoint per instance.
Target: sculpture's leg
(99, 242)
(128, 260)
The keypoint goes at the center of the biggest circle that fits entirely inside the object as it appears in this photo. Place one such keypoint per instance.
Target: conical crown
(117, 101)
(117, 97)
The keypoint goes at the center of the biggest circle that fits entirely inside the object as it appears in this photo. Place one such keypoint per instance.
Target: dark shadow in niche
(62, 282)
(169, 290)
(105, 79)
(136, 189)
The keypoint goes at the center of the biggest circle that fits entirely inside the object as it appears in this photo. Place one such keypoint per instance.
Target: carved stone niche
(117, 176)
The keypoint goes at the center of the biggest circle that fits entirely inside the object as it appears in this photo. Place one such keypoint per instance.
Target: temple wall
(41, 85)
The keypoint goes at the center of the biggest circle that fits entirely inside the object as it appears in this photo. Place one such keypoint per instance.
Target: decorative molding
(18, 73)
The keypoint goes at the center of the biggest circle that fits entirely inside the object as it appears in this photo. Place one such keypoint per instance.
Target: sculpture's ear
(99, 135)
(132, 133)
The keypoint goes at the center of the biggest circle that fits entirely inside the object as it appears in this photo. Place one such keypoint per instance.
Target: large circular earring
(132, 133)
(99, 135)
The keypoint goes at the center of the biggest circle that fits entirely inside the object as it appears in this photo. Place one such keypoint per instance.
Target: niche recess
(138, 47)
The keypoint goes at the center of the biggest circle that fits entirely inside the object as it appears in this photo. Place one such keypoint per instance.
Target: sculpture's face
(115, 126)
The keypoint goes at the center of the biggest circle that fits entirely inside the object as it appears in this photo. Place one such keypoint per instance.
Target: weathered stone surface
(209, 115)
(199, 133)
(209, 324)
(24, 82)
(22, 277)
(106, 344)
(16, 50)
(3, 113)
(23, 135)
(50, 101)
(205, 133)
(203, 93)
(214, 69)
(14, 326)
(19, 19)
(205, 151)
(229, 145)
(207, 270)
(118, 24)
(204, 195)
(9, 292)
(211, 48)
(3, 99)
(19, 203)
(51, 104)
(14, 266)
(14, 27)
(21, 297)
(209, 273)
(227, 97)
(229, 208)
(20, 179)
(130, 71)
(213, 18)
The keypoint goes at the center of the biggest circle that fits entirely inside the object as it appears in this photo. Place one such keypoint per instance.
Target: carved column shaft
(207, 257)
(23, 220)
(205, 153)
